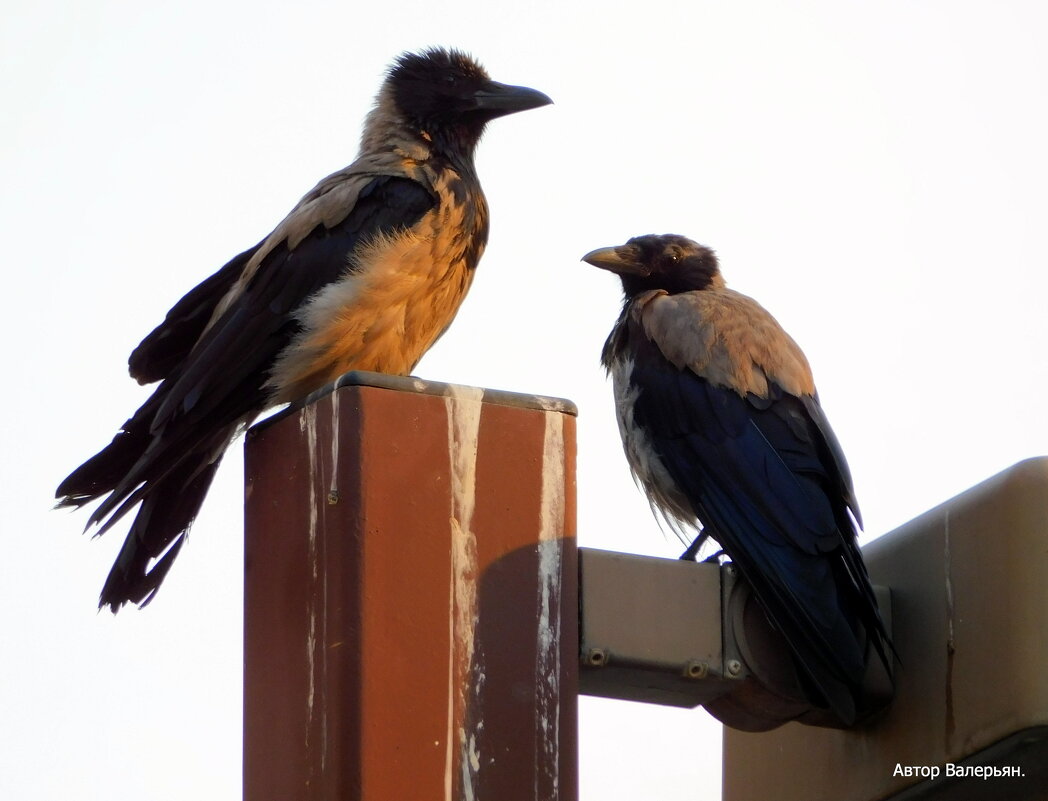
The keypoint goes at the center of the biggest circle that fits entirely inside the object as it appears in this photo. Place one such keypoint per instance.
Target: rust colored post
(411, 597)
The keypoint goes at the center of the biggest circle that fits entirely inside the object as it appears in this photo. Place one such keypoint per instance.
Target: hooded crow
(722, 426)
(365, 273)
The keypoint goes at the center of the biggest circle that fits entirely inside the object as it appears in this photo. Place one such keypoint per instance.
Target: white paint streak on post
(308, 425)
(547, 658)
(333, 489)
(332, 497)
(464, 405)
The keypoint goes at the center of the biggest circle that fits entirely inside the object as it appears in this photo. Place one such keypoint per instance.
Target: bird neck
(387, 130)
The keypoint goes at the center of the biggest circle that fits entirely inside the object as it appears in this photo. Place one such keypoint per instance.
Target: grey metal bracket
(686, 634)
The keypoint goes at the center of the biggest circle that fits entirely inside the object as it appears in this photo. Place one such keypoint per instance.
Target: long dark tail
(157, 533)
(108, 468)
(167, 472)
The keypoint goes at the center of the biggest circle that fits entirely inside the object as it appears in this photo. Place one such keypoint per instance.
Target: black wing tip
(144, 365)
(133, 583)
(70, 500)
(116, 601)
(75, 489)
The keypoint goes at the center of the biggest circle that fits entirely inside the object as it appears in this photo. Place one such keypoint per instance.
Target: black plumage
(365, 273)
(722, 426)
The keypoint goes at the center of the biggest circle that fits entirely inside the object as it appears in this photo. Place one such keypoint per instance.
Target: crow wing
(761, 470)
(219, 380)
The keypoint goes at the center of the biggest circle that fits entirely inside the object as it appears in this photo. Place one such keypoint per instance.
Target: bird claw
(691, 553)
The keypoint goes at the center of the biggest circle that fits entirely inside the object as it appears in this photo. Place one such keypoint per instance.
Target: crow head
(449, 98)
(668, 262)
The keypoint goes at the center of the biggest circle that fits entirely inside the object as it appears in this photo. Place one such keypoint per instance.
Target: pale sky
(874, 173)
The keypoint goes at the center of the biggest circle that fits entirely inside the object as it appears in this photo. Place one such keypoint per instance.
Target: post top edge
(423, 386)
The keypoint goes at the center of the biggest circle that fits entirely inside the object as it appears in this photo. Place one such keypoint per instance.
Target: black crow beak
(498, 99)
(622, 259)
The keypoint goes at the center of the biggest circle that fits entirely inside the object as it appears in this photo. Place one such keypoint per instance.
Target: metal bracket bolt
(595, 657)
